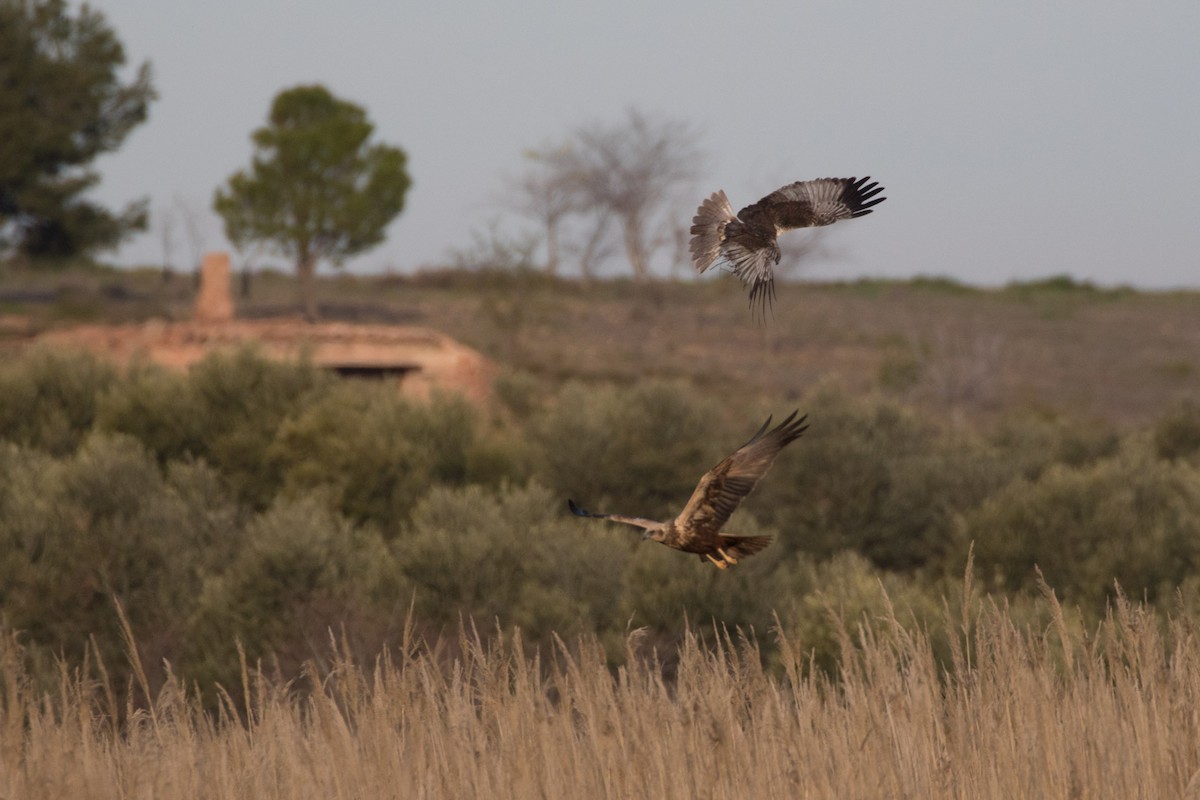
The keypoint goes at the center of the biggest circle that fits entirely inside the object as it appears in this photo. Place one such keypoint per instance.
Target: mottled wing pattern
(823, 201)
(724, 486)
(637, 522)
(754, 267)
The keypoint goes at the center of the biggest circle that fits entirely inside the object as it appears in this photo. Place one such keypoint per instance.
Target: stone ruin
(421, 360)
(214, 302)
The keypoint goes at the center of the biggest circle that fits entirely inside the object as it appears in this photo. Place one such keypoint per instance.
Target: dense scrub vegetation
(257, 505)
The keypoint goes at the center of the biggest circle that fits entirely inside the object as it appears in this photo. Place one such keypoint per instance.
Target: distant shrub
(104, 524)
(1177, 434)
(901, 367)
(270, 427)
(1061, 282)
(941, 284)
(301, 576)
(1033, 442)
(644, 446)
(48, 398)
(226, 410)
(877, 287)
(353, 443)
(1059, 296)
(1129, 518)
(27, 512)
(521, 392)
(244, 399)
(513, 555)
(872, 476)
(378, 454)
(160, 409)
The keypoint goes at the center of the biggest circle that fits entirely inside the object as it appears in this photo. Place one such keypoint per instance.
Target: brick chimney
(214, 302)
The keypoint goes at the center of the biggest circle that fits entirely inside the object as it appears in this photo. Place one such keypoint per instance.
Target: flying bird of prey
(748, 244)
(697, 529)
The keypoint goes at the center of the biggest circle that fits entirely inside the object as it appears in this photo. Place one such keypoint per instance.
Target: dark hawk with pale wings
(697, 529)
(748, 242)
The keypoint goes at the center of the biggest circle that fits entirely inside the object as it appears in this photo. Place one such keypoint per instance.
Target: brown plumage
(748, 242)
(697, 529)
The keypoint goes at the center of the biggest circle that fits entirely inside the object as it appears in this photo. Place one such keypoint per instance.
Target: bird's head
(654, 534)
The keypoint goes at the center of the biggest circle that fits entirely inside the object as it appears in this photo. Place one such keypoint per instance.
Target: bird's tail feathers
(708, 230)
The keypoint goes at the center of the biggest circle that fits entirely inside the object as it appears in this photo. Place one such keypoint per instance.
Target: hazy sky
(1016, 139)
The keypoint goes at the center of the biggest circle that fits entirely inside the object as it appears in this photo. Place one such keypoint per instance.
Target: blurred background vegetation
(267, 505)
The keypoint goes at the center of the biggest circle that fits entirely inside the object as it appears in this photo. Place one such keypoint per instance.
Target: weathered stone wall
(427, 359)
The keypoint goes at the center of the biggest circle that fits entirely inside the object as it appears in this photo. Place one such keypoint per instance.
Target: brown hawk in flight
(748, 242)
(697, 529)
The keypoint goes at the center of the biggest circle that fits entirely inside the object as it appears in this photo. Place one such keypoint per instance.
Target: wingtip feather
(789, 430)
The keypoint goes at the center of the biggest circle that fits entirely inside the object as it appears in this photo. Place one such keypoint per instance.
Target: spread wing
(722, 488)
(637, 522)
(823, 201)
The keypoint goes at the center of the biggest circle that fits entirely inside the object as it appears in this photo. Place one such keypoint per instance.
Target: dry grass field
(1054, 713)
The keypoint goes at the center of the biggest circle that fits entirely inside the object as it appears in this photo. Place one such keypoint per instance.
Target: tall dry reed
(1055, 713)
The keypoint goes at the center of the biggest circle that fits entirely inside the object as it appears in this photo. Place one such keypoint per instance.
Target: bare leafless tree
(596, 244)
(496, 248)
(629, 172)
(547, 196)
(549, 193)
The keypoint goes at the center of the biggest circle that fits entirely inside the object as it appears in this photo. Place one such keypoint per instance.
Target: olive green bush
(1133, 519)
(514, 556)
(1032, 442)
(105, 524)
(872, 476)
(301, 573)
(226, 411)
(1177, 434)
(643, 446)
(48, 399)
(377, 452)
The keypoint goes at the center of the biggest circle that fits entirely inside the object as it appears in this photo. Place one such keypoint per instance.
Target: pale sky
(1016, 139)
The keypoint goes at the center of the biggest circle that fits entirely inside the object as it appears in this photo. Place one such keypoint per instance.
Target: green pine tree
(317, 188)
(61, 105)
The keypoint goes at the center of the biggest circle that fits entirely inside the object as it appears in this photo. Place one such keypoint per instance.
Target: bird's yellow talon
(728, 558)
(719, 564)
